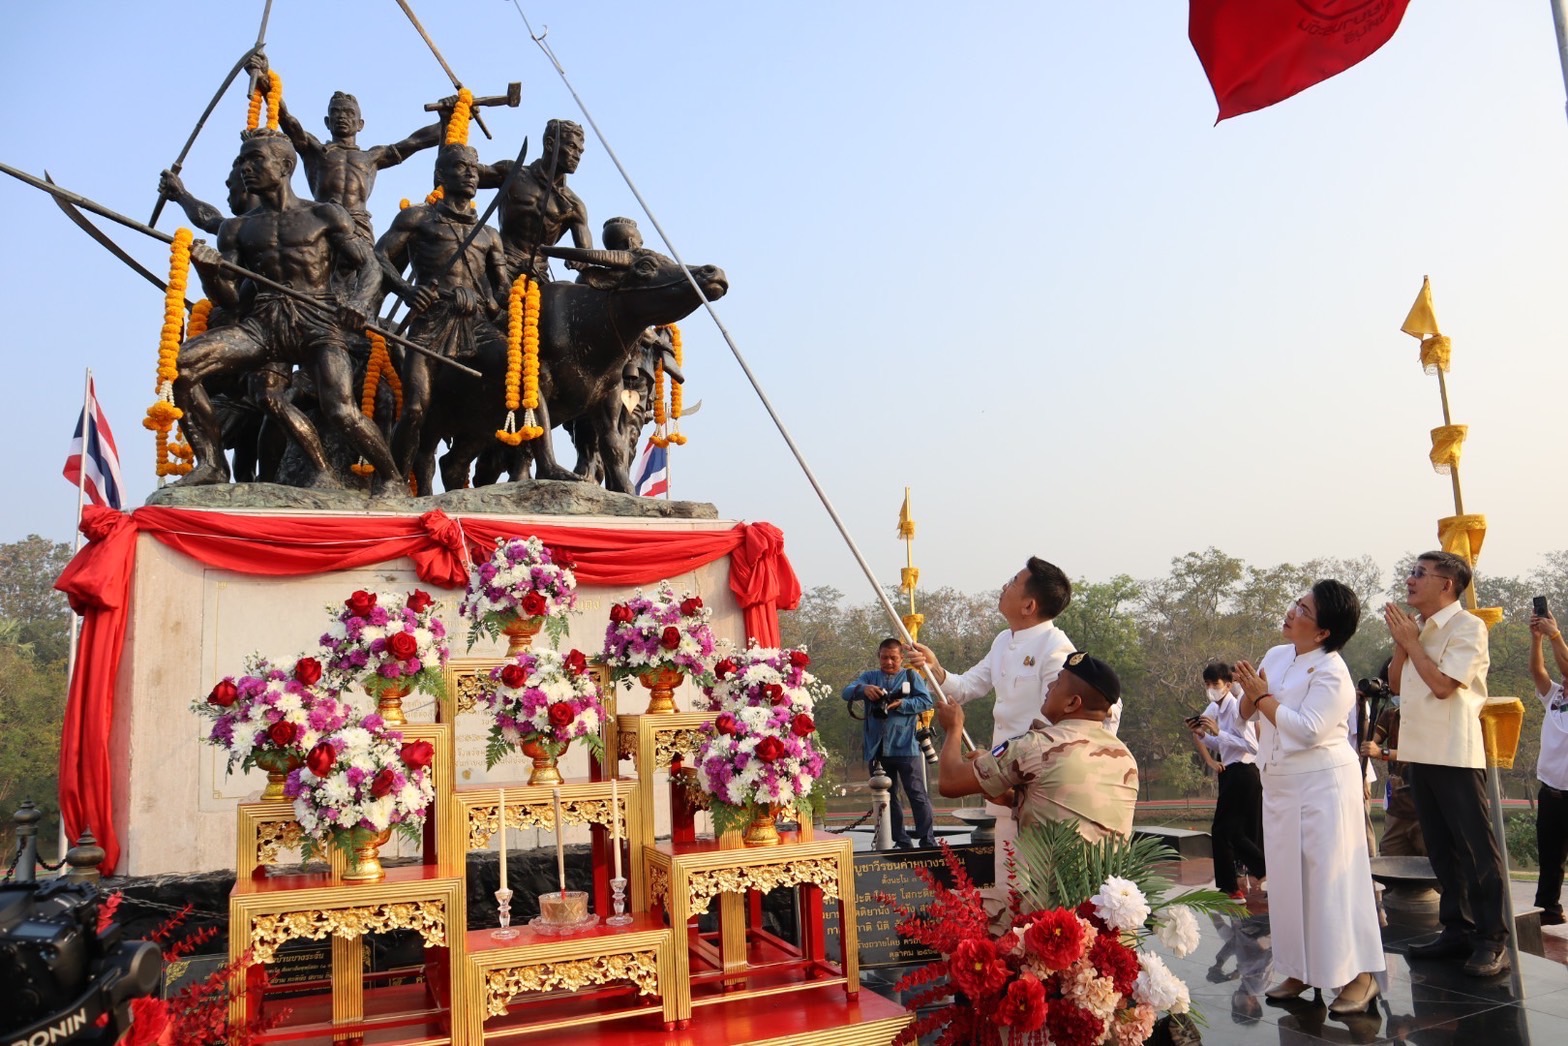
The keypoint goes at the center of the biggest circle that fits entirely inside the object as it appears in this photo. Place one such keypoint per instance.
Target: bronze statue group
(279, 375)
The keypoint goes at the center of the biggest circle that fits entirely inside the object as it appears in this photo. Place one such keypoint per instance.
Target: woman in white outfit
(1321, 911)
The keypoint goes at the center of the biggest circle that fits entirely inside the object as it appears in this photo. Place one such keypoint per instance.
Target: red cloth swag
(1258, 52)
(98, 583)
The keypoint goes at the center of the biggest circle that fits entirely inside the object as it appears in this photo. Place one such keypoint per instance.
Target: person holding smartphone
(1237, 831)
(1551, 766)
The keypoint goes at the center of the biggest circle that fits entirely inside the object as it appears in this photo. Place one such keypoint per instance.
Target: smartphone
(1538, 605)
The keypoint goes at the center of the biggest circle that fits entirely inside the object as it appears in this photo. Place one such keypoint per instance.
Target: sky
(997, 253)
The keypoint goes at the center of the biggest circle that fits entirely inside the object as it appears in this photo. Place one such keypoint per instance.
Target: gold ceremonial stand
(266, 911)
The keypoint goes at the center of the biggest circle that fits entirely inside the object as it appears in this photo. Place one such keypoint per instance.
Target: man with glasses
(1439, 672)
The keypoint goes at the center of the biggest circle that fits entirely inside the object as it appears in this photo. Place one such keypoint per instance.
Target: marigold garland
(522, 362)
(161, 416)
(379, 369)
(274, 98)
(659, 438)
(676, 388)
(456, 134)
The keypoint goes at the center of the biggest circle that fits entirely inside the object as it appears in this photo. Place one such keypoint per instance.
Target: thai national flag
(652, 474)
(94, 464)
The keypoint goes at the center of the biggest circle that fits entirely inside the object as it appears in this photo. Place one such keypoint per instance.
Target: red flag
(1258, 52)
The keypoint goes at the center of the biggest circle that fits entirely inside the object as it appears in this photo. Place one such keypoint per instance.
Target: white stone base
(190, 626)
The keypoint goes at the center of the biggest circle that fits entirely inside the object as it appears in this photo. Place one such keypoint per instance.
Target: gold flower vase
(389, 705)
(545, 771)
(277, 763)
(364, 854)
(763, 829)
(520, 632)
(661, 683)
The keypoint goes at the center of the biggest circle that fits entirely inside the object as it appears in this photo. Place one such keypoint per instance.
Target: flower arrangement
(663, 632)
(760, 750)
(270, 709)
(362, 775)
(522, 580)
(545, 699)
(1072, 969)
(385, 647)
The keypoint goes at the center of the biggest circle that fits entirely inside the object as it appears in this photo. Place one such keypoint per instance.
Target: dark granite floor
(1430, 1003)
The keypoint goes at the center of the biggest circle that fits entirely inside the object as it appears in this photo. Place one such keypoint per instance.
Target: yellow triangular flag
(906, 525)
(1422, 321)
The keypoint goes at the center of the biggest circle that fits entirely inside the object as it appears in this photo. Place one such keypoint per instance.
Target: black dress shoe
(1484, 962)
(1445, 947)
(905, 844)
(929, 843)
(1552, 918)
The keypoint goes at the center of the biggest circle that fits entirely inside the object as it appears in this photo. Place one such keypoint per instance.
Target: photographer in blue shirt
(892, 697)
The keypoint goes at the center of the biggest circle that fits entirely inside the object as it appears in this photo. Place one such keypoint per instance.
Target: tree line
(1158, 633)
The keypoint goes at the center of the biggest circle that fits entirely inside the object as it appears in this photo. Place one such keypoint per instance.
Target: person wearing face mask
(1067, 767)
(1321, 910)
(1230, 747)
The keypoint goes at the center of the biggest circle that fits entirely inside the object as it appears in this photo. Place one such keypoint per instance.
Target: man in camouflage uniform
(1068, 767)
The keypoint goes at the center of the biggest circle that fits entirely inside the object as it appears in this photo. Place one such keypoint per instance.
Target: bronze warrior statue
(538, 208)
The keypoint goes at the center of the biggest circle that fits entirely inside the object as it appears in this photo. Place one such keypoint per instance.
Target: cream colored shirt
(1447, 732)
(1020, 666)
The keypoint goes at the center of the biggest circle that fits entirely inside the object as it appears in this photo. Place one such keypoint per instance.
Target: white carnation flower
(1177, 929)
(1159, 988)
(1120, 904)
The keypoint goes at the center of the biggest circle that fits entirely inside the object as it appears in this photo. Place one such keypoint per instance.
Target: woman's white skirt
(1322, 910)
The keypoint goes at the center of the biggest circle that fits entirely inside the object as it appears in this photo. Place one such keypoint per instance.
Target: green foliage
(1520, 831)
(28, 569)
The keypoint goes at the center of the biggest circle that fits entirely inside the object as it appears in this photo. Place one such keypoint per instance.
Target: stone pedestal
(190, 626)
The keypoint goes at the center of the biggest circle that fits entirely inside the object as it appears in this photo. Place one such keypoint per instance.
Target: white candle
(560, 839)
(503, 838)
(615, 823)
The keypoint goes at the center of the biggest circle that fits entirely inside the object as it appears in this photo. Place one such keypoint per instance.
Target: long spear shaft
(450, 75)
(201, 121)
(239, 270)
(261, 42)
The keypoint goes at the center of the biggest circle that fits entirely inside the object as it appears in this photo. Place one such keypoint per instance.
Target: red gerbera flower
(1055, 938)
(977, 969)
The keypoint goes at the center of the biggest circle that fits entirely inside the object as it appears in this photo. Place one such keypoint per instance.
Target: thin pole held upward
(767, 404)
(1560, 21)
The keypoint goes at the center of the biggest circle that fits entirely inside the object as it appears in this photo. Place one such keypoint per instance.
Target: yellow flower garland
(273, 96)
(522, 362)
(659, 437)
(161, 416)
(456, 134)
(665, 420)
(676, 388)
(379, 369)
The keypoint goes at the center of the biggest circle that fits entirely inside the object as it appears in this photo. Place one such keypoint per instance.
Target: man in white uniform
(1551, 768)
(1024, 659)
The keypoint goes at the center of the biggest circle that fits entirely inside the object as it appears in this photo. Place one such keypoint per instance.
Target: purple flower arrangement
(645, 635)
(544, 698)
(523, 579)
(383, 642)
(270, 708)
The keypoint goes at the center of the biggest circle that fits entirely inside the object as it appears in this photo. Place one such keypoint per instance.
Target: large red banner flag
(1258, 52)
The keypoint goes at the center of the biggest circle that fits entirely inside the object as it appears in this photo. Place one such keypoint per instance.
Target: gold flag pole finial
(909, 577)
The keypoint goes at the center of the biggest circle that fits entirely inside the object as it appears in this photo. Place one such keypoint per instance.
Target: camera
(1373, 689)
(926, 737)
(65, 981)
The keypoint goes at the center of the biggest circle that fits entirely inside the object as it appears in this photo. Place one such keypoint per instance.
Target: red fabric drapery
(98, 583)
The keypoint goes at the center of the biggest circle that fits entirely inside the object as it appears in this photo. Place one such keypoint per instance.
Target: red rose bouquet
(269, 709)
(1072, 969)
(544, 698)
(646, 634)
(523, 579)
(384, 642)
(362, 776)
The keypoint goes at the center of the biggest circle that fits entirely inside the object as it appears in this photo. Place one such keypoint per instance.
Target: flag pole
(76, 546)
(1560, 20)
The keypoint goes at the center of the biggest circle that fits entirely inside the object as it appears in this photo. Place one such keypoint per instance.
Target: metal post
(881, 788)
(26, 820)
(1494, 796)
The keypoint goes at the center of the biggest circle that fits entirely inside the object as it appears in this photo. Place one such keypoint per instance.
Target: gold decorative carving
(658, 886)
(667, 744)
(272, 836)
(706, 884)
(484, 821)
(639, 967)
(427, 918)
(626, 745)
(469, 686)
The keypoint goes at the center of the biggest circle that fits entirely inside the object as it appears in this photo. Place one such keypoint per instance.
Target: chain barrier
(862, 819)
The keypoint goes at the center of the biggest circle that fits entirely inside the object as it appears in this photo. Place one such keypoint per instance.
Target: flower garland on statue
(382, 646)
(1071, 970)
(645, 635)
(271, 709)
(362, 776)
(662, 437)
(456, 134)
(760, 750)
(379, 369)
(522, 362)
(522, 580)
(274, 98)
(543, 698)
(171, 458)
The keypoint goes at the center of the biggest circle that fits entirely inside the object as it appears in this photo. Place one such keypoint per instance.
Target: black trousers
(904, 770)
(1551, 839)
(1452, 807)
(1237, 832)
